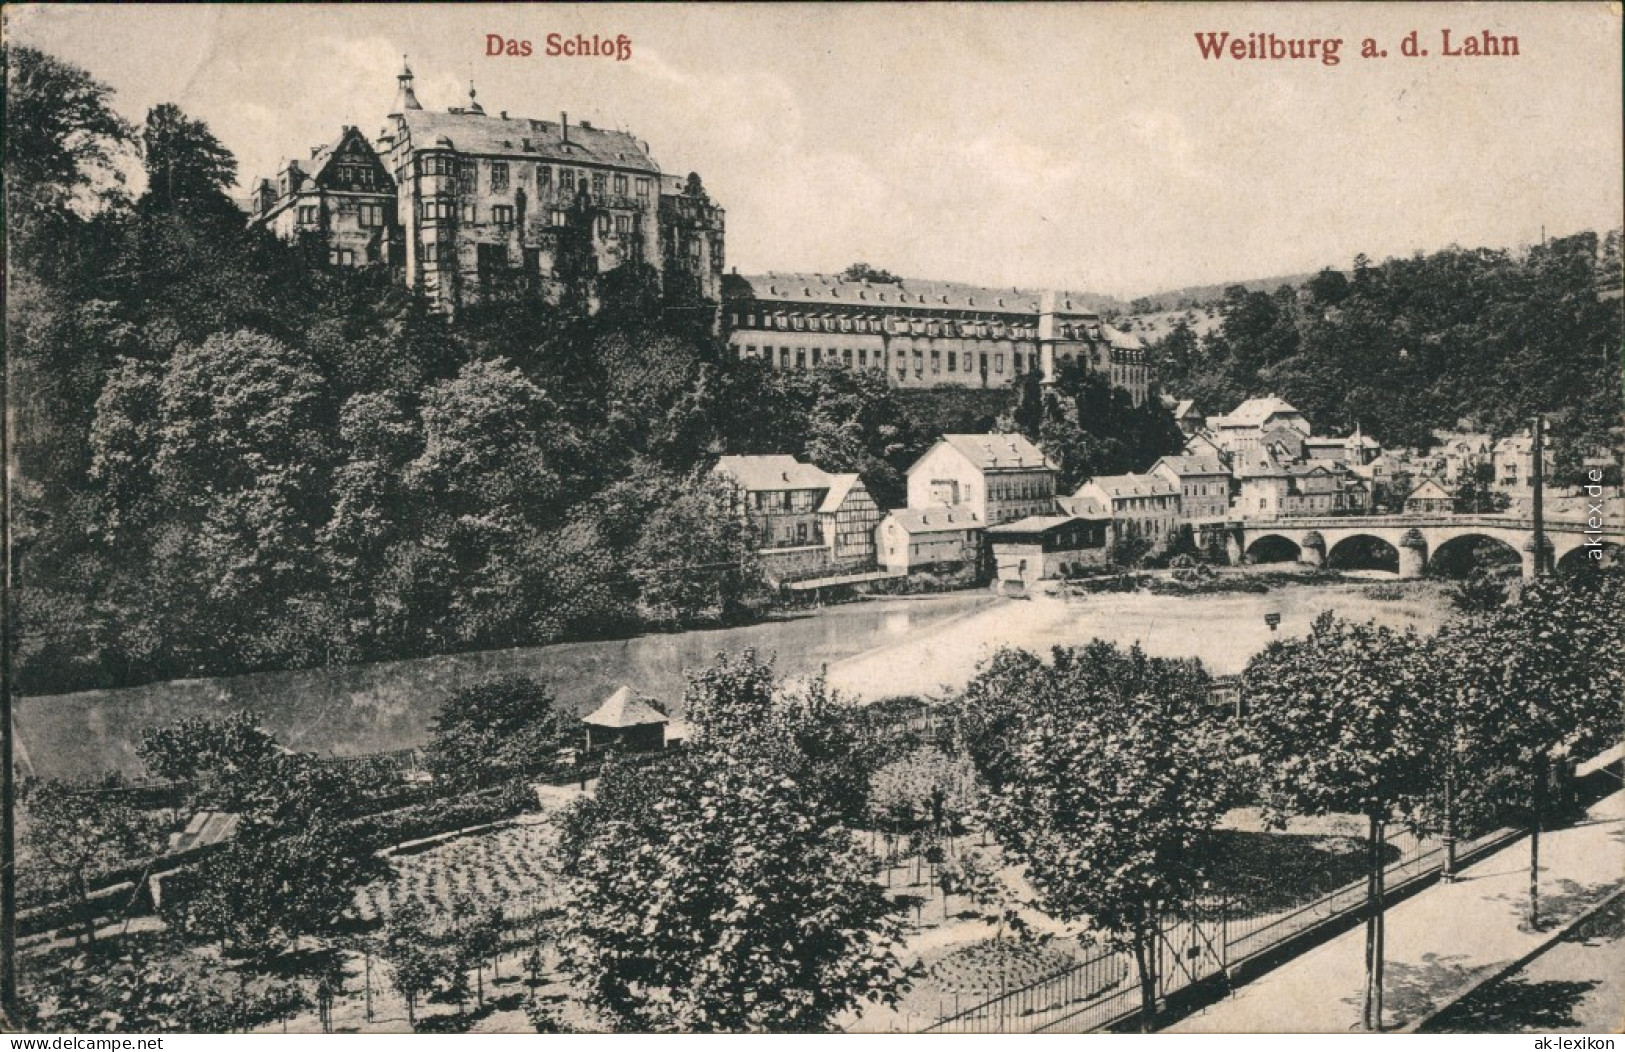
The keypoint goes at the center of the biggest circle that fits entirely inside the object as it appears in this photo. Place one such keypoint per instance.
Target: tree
(723, 900)
(73, 828)
(62, 138)
(496, 729)
(1527, 687)
(694, 560)
(864, 272)
(1116, 776)
(1338, 721)
(186, 165)
(218, 749)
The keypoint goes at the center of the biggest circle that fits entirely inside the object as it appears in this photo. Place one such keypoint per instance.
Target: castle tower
(405, 97)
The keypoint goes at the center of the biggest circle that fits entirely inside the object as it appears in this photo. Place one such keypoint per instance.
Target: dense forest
(233, 457)
(1403, 347)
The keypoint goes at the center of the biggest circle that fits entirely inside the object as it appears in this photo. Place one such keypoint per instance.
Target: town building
(1354, 450)
(1461, 454)
(936, 537)
(1257, 422)
(1189, 418)
(626, 721)
(471, 206)
(1513, 458)
(1000, 478)
(804, 519)
(1045, 547)
(848, 517)
(1262, 485)
(1137, 505)
(1203, 483)
(920, 334)
(1430, 498)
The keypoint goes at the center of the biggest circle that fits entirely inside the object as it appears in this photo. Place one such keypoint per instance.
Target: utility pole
(1538, 476)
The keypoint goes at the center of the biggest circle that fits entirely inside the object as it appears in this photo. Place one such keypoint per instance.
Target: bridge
(1418, 539)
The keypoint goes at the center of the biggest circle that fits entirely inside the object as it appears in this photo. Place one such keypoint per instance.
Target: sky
(1087, 147)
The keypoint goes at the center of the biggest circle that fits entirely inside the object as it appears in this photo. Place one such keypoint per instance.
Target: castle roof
(920, 293)
(481, 133)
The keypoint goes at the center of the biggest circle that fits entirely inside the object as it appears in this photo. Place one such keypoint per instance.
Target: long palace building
(922, 334)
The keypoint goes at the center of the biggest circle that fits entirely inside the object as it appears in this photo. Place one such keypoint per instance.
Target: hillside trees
(1409, 345)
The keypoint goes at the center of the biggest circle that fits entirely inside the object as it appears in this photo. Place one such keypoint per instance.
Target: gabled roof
(939, 518)
(1192, 464)
(839, 487)
(774, 471)
(1122, 486)
(1429, 490)
(625, 709)
(1255, 412)
(481, 133)
(999, 452)
(1185, 408)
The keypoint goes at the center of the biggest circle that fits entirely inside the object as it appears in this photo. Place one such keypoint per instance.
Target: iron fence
(1102, 988)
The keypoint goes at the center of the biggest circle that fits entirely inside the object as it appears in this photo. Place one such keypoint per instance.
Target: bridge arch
(1363, 551)
(1274, 548)
(1577, 557)
(1460, 554)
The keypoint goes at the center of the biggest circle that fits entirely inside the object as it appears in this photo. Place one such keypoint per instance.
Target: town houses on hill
(986, 507)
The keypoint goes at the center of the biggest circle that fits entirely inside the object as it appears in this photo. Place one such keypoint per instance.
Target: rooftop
(1038, 524)
(625, 709)
(773, 471)
(1116, 486)
(481, 133)
(839, 487)
(1193, 464)
(938, 518)
(803, 287)
(1255, 412)
(999, 452)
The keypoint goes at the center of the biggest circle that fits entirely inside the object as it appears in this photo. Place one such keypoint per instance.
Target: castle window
(620, 185)
(533, 260)
(559, 217)
(468, 213)
(863, 357)
(499, 175)
(343, 257)
(436, 208)
(567, 178)
(435, 164)
(603, 226)
(466, 177)
(623, 224)
(953, 360)
(544, 175)
(643, 188)
(784, 357)
(371, 215)
(309, 215)
(598, 184)
(431, 252)
(801, 358)
(502, 214)
(998, 363)
(968, 366)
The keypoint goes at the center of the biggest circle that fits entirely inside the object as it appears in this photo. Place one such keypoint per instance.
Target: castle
(469, 206)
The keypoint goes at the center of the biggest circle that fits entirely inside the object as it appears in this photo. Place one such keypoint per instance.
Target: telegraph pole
(1538, 476)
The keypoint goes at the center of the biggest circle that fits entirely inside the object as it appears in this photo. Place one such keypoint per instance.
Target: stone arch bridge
(1417, 538)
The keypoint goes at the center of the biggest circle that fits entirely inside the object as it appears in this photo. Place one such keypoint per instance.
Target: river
(870, 650)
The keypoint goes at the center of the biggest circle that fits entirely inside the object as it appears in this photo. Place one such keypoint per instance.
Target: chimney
(564, 125)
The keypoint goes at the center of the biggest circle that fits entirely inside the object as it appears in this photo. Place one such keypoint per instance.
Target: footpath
(1441, 942)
